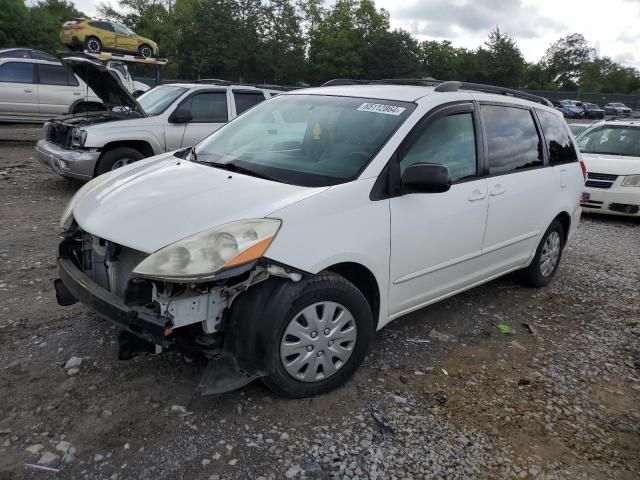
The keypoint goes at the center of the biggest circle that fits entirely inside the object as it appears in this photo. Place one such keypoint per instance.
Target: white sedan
(611, 152)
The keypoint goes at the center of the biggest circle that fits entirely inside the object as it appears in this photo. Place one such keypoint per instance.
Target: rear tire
(545, 263)
(333, 351)
(116, 158)
(93, 44)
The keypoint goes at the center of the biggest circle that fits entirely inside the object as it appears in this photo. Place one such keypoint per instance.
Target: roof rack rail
(219, 81)
(454, 86)
(424, 82)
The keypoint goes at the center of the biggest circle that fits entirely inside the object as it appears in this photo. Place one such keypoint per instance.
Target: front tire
(323, 335)
(116, 158)
(545, 263)
(145, 51)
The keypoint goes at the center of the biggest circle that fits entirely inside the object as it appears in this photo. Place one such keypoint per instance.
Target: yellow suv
(99, 35)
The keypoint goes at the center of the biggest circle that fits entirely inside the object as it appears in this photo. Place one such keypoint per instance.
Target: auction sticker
(379, 108)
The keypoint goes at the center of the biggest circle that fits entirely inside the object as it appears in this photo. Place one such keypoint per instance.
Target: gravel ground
(443, 394)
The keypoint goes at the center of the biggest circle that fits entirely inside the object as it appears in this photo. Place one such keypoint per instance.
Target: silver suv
(166, 118)
(34, 90)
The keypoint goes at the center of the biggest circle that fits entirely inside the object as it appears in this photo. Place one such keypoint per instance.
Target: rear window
(15, 72)
(558, 138)
(512, 139)
(247, 99)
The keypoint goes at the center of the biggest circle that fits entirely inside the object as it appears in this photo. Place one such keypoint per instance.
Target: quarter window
(53, 75)
(556, 132)
(512, 139)
(14, 72)
(210, 107)
(246, 100)
(447, 141)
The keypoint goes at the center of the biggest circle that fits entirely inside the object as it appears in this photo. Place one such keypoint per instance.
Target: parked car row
(578, 109)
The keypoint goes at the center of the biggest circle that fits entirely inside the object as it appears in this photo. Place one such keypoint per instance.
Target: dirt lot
(462, 400)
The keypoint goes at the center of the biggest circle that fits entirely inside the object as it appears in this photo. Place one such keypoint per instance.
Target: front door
(436, 238)
(125, 38)
(209, 111)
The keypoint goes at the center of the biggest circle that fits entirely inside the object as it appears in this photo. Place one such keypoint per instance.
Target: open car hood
(104, 84)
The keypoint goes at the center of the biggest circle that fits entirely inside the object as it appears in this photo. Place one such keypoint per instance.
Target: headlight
(631, 181)
(67, 213)
(199, 257)
(78, 137)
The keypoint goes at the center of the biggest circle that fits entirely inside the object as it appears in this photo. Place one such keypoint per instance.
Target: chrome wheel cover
(550, 254)
(318, 341)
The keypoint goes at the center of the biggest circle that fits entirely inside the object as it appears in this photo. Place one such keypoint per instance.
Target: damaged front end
(155, 313)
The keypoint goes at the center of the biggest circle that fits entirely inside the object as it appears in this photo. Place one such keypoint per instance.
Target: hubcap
(318, 341)
(146, 52)
(121, 163)
(93, 46)
(550, 254)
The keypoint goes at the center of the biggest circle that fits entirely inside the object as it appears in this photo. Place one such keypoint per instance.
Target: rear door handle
(28, 91)
(477, 195)
(497, 190)
(77, 94)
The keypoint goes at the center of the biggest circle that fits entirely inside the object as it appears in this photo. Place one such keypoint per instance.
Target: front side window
(512, 139)
(447, 141)
(158, 99)
(611, 139)
(53, 75)
(209, 107)
(246, 100)
(15, 72)
(122, 30)
(310, 140)
(556, 133)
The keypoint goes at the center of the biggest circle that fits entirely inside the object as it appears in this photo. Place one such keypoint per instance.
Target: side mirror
(181, 116)
(426, 178)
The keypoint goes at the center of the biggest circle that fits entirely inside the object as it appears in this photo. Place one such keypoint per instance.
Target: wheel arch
(364, 280)
(565, 220)
(142, 146)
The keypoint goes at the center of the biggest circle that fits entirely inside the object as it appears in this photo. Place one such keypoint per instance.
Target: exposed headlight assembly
(200, 257)
(631, 181)
(78, 137)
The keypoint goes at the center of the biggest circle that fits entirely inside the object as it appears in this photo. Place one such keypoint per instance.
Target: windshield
(158, 99)
(611, 139)
(310, 140)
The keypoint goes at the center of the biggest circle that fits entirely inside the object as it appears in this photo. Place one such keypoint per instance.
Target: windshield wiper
(234, 167)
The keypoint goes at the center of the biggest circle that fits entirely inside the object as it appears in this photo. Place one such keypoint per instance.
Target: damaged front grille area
(108, 264)
(58, 133)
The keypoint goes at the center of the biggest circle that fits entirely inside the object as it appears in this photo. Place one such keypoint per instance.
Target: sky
(610, 26)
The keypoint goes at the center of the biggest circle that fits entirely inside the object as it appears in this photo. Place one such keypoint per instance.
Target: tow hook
(63, 296)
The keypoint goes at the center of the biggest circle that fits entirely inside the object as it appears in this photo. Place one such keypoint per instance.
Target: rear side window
(209, 107)
(38, 55)
(512, 139)
(447, 141)
(246, 100)
(14, 72)
(556, 133)
(15, 54)
(102, 25)
(53, 75)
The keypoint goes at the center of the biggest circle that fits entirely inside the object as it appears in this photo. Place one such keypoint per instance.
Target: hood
(612, 164)
(160, 200)
(104, 84)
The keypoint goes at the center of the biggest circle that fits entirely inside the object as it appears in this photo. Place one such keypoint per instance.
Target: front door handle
(497, 190)
(76, 94)
(28, 91)
(477, 195)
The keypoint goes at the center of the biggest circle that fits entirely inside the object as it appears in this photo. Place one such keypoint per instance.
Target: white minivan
(279, 244)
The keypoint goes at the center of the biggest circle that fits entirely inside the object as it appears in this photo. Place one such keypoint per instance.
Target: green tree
(13, 23)
(565, 57)
(283, 60)
(505, 63)
(393, 54)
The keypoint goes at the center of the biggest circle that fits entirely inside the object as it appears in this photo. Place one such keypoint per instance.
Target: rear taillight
(584, 169)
